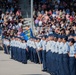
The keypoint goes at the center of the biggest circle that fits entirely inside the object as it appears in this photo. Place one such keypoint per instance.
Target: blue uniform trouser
(44, 59)
(75, 66)
(15, 53)
(61, 71)
(24, 56)
(72, 65)
(28, 54)
(35, 56)
(57, 64)
(11, 52)
(5, 50)
(8, 49)
(40, 55)
(51, 61)
(48, 60)
(0, 31)
(54, 63)
(66, 64)
(19, 54)
(31, 52)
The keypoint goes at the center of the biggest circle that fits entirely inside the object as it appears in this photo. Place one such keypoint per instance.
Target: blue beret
(22, 39)
(51, 35)
(60, 36)
(71, 40)
(65, 37)
(34, 37)
(15, 36)
(74, 34)
(45, 36)
(71, 35)
(55, 35)
(11, 36)
(38, 39)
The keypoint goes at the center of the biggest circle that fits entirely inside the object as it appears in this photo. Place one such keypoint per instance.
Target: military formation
(56, 52)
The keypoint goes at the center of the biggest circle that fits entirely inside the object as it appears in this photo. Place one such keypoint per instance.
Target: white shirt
(65, 48)
(48, 46)
(24, 45)
(21, 45)
(28, 42)
(11, 42)
(60, 48)
(7, 42)
(31, 44)
(38, 45)
(34, 45)
(57, 47)
(44, 45)
(75, 45)
(16, 43)
(4, 41)
(53, 46)
(72, 51)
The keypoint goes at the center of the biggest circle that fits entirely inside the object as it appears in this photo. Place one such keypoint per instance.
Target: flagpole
(32, 14)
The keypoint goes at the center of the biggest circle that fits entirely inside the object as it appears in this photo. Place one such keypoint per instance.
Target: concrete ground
(12, 67)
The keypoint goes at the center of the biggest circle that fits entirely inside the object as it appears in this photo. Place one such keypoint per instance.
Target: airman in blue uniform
(65, 50)
(44, 52)
(60, 55)
(49, 53)
(72, 55)
(39, 50)
(11, 47)
(24, 50)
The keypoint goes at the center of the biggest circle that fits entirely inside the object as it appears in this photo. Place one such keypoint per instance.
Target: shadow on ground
(33, 74)
(1, 48)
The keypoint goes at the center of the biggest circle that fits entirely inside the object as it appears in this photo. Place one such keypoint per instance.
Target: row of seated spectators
(11, 18)
(55, 16)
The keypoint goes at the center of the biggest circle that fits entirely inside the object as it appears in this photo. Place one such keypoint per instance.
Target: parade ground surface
(11, 67)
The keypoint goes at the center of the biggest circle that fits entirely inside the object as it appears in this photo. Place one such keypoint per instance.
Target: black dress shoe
(44, 70)
(11, 58)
